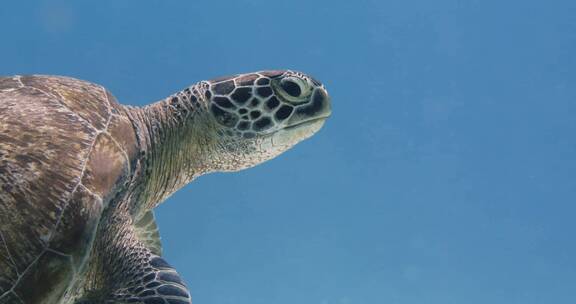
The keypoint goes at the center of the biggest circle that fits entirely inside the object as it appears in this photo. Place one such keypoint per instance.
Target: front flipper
(132, 270)
(159, 283)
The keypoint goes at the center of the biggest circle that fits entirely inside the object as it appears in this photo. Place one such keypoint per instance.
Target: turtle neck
(175, 141)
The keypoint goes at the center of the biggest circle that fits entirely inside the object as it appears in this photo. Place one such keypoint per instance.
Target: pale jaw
(292, 135)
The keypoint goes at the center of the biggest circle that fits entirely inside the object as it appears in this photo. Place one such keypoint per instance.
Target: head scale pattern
(263, 102)
(249, 118)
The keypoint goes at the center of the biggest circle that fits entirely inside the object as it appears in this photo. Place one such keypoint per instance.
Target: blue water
(447, 173)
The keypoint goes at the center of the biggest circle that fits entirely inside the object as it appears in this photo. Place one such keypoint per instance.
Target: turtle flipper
(160, 284)
(132, 271)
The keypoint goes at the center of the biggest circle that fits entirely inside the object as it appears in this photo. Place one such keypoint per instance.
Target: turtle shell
(65, 150)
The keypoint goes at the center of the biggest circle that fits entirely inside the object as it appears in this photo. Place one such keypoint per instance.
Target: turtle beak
(319, 108)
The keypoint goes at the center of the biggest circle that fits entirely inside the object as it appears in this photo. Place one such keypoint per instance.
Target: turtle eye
(294, 89)
(291, 87)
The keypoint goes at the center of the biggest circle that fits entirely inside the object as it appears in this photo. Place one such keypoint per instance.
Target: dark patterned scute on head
(223, 88)
(272, 103)
(247, 80)
(262, 124)
(273, 73)
(243, 125)
(241, 95)
(284, 112)
(224, 102)
(263, 81)
(225, 118)
(264, 91)
(54, 132)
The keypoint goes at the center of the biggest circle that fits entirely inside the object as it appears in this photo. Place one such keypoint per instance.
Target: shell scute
(106, 167)
(7, 269)
(54, 270)
(122, 130)
(75, 232)
(82, 98)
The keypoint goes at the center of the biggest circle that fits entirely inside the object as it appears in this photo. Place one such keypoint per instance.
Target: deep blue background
(447, 173)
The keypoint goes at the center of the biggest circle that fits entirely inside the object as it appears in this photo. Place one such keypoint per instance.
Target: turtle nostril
(291, 88)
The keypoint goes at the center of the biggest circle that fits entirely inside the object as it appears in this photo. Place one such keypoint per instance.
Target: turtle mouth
(307, 122)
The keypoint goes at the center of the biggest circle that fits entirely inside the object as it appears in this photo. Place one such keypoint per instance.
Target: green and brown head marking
(273, 109)
(255, 103)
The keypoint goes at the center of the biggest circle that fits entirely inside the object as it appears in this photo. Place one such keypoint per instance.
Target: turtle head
(260, 115)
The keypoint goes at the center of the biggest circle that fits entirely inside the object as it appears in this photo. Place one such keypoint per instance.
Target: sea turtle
(80, 175)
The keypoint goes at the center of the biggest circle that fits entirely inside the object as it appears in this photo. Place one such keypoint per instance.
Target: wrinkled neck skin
(177, 142)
